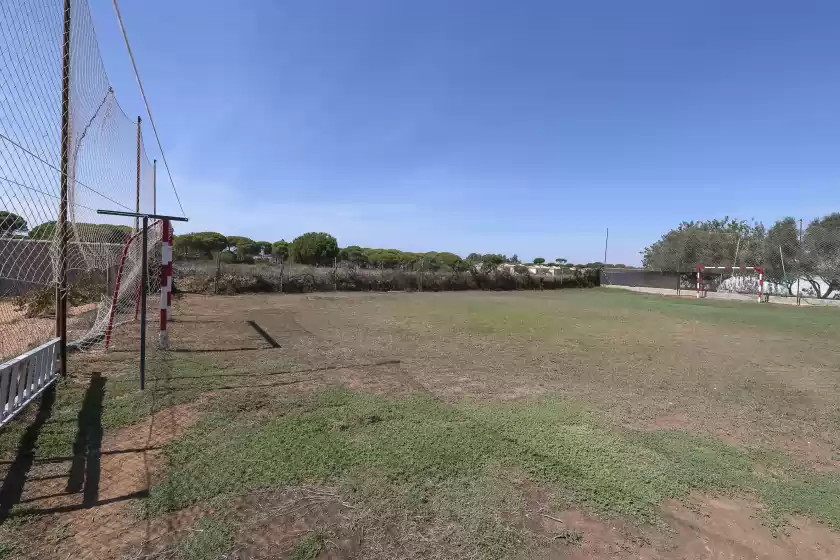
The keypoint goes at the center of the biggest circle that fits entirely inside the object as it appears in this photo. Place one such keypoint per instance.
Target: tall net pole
(154, 187)
(139, 151)
(67, 149)
(799, 268)
(61, 299)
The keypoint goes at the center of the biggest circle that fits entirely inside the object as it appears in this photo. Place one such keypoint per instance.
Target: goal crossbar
(760, 269)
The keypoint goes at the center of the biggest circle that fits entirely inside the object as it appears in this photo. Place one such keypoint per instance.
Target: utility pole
(63, 232)
(606, 244)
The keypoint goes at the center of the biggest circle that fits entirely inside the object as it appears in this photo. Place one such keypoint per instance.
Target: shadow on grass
(12, 489)
(256, 386)
(76, 507)
(72, 457)
(264, 334)
(87, 449)
(213, 350)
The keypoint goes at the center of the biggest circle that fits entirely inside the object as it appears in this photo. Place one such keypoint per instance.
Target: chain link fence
(799, 259)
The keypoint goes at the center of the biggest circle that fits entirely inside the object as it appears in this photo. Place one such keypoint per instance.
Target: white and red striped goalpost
(165, 284)
(701, 292)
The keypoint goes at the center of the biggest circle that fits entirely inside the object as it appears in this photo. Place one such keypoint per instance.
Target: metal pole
(61, 292)
(606, 244)
(737, 248)
(144, 274)
(137, 196)
(154, 186)
(799, 268)
(781, 256)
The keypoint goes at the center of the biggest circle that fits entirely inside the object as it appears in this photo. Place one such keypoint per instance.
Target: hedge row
(193, 280)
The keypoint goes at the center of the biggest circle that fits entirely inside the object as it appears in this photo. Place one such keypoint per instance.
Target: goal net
(747, 280)
(121, 301)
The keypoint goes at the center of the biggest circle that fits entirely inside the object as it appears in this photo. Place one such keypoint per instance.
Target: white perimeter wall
(730, 296)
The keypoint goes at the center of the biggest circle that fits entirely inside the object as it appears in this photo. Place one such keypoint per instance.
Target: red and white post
(165, 283)
(699, 281)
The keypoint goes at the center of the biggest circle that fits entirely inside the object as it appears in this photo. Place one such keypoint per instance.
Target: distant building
(262, 256)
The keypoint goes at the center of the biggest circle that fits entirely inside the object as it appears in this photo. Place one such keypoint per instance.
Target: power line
(148, 108)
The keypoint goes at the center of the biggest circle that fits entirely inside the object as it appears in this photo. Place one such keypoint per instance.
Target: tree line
(313, 248)
(786, 252)
(15, 227)
(320, 248)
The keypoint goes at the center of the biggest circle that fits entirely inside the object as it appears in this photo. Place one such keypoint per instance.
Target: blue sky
(514, 127)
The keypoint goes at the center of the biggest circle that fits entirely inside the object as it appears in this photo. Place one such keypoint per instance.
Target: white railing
(23, 378)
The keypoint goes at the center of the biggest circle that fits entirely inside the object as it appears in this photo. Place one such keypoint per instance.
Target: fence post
(61, 292)
(335, 274)
(137, 193)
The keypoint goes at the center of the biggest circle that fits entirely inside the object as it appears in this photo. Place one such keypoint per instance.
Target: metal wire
(148, 108)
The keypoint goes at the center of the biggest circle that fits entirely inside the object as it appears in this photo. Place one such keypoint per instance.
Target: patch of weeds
(803, 493)
(309, 547)
(20, 515)
(58, 533)
(569, 537)
(486, 505)
(701, 462)
(436, 460)
(210, 539)
(7, 549)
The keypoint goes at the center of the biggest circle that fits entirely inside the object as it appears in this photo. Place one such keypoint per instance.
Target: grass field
(569, 424)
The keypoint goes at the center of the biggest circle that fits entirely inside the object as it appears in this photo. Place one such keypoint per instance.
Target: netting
(104, 155)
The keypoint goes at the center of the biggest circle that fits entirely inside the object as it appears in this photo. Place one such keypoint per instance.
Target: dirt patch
(269, 524)
(820, 455)
(700, 528)
(678, 421)
(714, 527)
(277, 520)
(578, 535)
(19, 333)
(385, 377)
(130, 461)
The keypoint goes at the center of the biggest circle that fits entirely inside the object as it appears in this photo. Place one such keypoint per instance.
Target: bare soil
(131, 460)
(19, 333)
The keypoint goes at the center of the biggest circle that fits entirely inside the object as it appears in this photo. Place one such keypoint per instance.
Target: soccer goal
(123, 303)
(751, 281)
